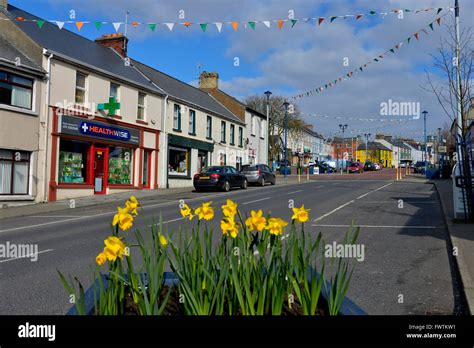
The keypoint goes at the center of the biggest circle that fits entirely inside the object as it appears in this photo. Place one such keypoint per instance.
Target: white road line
(18, 258)
(396, 202)
(257, 200)
(54, 216)
(289, 193)
(166, 222)
(377, 226)
(346, 204)
(368, 193)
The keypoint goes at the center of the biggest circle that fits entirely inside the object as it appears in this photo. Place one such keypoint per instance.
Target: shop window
(222, 159)
(202, 160)
(73, 161)
(15, 90)
(80, 88)
(14, 172)
(120, 165)
(141, 106)
(178, 161)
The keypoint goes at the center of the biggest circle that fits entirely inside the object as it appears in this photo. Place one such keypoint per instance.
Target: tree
(276, 120)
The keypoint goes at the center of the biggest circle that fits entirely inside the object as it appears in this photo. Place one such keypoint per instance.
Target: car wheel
(226, 186)
(244, 185)
(262, 182)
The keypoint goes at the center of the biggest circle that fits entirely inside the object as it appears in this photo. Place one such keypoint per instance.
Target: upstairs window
(16, 90)
(232, 134)
(141, 106)
(263, 126)
(209, 127)
(223, 126)
(177, 118)
(192, 122)
(114, 90)
(241, 137)
(253, 125)
(80, 88)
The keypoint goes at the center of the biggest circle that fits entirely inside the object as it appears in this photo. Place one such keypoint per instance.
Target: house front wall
(256, 148)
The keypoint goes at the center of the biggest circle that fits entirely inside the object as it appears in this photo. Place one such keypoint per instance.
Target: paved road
(405, 248)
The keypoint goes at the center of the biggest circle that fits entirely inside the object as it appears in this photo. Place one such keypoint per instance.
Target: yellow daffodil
(256, 221)
(275, 226)
(205, 211)
(114, 248)
(163, 240)
(186, 212)
(100, 259)
(229, 227)
(300, 214)
(123, 218)
(132, 205)
(229, 209)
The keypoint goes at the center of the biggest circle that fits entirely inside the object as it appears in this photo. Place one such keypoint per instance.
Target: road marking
(289, 193)
(377, 226)
(257, 200)
(54, 216)
(395, 201)
(368, 193)
(166, 222)
(18, 258)
(346, 204)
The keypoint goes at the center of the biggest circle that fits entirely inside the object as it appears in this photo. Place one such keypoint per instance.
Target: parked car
(377, 166)
(355, 167)
(368, 166)
(219, 177)
(323, 168)
(259, 174)
(420, 166)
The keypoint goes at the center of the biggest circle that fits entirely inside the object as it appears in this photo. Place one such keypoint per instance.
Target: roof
(185, 92)
(9, 53)
(373, 145)
(71, 46)
(249, 109)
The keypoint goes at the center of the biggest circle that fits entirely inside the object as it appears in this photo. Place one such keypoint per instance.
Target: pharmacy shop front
(97, 156)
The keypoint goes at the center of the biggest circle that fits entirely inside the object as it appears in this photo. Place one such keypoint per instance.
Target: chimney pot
(209, 80)
(116, 41)
(3, 3)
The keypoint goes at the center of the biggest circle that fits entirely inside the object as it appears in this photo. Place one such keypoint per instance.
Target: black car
(420, 166)
(219, 177)
(323, 167)
(369, 166)
(259, 174)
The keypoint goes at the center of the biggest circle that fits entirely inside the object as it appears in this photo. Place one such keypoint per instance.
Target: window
(177, 118)
(73, 162)
(192, 122)
(222, 159)
(238, 163)
(141, 106)
(222, 132)
(146, 168)
(232, 134)
(120, 165)
(14, 172)
(209, 127)
(262, 129)
(114, 90)
(241, 137)
(202, 160)
(80, 88)
(253, 125)
(15, 90)
(178, 161)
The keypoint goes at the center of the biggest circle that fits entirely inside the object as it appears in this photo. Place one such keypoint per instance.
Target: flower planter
(170, 279)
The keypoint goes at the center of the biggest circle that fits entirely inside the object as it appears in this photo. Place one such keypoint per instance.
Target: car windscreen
(213, 170)
(248, 168)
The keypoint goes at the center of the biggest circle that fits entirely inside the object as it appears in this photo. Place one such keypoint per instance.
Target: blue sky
(283, 61)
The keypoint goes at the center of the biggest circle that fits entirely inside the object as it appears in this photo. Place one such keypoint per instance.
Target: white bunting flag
(267, 23)
(60, 24)
(218, 26)
(117, 26)
(170, 26)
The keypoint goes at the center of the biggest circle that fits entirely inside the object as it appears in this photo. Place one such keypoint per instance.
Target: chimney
(209, 80)
(308, 126)
(379, 136)
(116, 41)
(4, 4)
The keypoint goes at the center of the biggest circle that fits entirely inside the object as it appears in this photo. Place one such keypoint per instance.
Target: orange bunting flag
(280, 23)
(235, 25)
(79, 25)
(134, 24)
(320, 20)
(20, 19)
(417, 36)
(187, 24)
(438, 21)
(359, 16)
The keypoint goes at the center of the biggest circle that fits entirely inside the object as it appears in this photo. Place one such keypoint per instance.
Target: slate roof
(183, 91)
(10, 53)
(77, 48)
(373, 145)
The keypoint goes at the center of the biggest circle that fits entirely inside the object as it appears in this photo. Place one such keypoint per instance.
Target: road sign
(442, 149)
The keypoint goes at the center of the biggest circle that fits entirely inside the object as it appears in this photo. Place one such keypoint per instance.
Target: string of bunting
(234, 24)
(377, 59)
(396, 120)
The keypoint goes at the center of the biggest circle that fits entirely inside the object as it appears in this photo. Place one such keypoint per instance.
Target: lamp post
(343, 128)
(425, 155)
(267, 94)
(286, 104)
(439, 143)
(367, 136)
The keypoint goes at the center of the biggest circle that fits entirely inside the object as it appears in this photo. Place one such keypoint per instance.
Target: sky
(288, 61)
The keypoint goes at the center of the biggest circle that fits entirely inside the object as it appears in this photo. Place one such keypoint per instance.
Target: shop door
(100, 171)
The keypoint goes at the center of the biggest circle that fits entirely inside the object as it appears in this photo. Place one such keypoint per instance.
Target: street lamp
(439, 143)
(367, 136)
(286, 104)
(267, 94)
(425, 155)
(343, 128)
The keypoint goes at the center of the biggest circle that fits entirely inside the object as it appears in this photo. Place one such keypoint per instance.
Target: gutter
(48, 116)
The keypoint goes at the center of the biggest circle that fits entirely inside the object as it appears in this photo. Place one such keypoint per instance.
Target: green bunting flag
(360, 69)
(252, 25)
(439, 10)
(373, 12)
(431, 26)
(203, 26)
(152, 26)
(98, 25)
(333, 18)
(408, 40)
(407, 10)
(375, 59)
(293, 22)
(392, 50)
(40, 23)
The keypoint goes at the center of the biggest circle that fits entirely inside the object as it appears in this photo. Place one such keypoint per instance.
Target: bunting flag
(218, 26)
(360, 69)
(364, 119)
(235, 24)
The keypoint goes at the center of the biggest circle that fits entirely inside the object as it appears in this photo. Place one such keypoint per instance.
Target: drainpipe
(48, 116)
(165, 139)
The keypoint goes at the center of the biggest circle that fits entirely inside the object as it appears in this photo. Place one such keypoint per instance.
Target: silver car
(258, 174)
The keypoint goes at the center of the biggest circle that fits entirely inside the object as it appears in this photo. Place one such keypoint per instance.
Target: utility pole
(286, 104)
(425, 158)
(460, 123)
(343, 128)
(367, 136)
(267, 132)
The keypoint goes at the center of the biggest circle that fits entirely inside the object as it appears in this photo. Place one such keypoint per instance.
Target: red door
(100, 170)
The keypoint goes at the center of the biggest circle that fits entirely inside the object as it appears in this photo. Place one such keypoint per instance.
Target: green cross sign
(112, 106)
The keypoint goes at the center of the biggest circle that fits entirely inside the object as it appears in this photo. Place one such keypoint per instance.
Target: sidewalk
(462, 238)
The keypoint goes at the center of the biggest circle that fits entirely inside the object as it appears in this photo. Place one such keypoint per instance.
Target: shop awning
(190, 143)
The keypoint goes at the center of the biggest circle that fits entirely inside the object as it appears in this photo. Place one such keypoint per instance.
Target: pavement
(462, 240)
(406, 268)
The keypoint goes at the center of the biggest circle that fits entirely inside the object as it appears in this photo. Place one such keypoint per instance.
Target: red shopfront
(100, 156)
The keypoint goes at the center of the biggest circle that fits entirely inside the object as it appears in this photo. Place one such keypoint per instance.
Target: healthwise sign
(82, 127)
